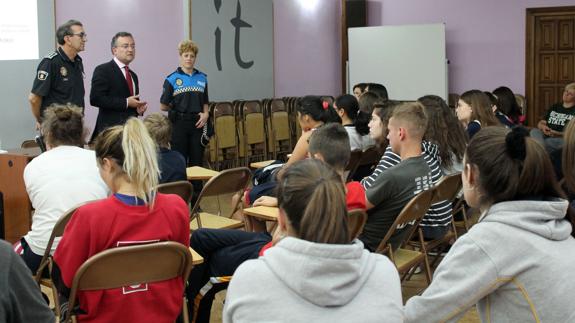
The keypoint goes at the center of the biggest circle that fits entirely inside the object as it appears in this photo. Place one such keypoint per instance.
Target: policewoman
(185, 96)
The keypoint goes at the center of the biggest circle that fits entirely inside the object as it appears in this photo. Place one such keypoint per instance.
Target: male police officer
(60, 75)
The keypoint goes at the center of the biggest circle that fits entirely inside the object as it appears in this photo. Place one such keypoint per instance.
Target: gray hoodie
(517, 264)
(302, 281)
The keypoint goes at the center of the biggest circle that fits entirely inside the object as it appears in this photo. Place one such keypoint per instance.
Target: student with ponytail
(516, 263)
(354, 121)
(314, 273)
(134, 214)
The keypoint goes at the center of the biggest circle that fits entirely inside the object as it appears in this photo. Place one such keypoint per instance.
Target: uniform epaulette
(51, 55)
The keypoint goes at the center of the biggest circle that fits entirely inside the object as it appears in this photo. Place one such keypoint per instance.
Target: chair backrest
(132, 265)
(183, 189)
(412, 213)
(31, 143)
(226, 182)
(57, 231)
(353, 163)
(355, 221)
(447, 188)
(370, 156)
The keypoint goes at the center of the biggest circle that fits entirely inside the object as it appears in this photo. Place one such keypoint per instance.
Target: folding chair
(225, 137)
(446, 189)
(355, 221)
(279, 130)
(404, 259)
(47, 261)
(254, 135)
(133, 265)
(226, 182)
(183, 189)
(31, 143)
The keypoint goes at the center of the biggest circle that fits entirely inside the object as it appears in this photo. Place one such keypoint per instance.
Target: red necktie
(129, 80)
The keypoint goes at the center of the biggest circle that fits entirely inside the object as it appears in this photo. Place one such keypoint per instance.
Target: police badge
(179, 82)
(63, 71)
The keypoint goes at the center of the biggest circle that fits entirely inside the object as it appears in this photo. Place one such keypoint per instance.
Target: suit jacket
(109, 93)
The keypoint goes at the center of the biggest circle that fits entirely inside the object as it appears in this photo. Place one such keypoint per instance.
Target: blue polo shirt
(185, 93)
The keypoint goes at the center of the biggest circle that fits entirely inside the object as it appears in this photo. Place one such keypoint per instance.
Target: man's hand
(134, 102)
(542, 125)
(203, 119)
(141, 109)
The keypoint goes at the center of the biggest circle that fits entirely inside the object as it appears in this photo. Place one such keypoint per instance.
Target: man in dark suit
(115, 88)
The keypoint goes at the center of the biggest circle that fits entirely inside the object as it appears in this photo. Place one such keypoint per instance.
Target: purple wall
(307, 47)
(485, 39)
(157, 28)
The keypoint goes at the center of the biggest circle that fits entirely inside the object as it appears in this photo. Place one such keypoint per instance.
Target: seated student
(134, 214)
(392, 189)
(312, 113)
(172, 164)
(367, 100)
(437, 152)
(20, 297)
(503, 119)
(568, 162)
(474, 111)
(549, 131)
(354, 121)
(313, 273)
(378, 89)
(224, 250)
(57, 180)
(358, 89)
(515, 262)
(507, 105)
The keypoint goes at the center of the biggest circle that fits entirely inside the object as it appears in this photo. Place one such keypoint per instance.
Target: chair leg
(185, 314)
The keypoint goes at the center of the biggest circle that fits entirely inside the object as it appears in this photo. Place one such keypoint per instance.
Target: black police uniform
(186, 95)
(59, 80)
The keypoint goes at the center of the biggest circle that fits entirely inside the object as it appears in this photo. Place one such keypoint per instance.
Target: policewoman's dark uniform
(59, 80)
(186, 95)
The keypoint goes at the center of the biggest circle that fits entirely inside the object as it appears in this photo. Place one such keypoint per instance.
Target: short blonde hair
(187, 46)
(160, 129)
(570, 87)
(412, 115)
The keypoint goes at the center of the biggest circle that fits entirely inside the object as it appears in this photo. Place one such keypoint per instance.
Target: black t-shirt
(59, 80)
(558, 116)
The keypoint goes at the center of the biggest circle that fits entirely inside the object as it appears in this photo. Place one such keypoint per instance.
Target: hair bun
(515, 142)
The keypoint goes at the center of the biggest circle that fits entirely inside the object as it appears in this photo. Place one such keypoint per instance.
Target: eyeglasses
(126, 46)
(82, 35)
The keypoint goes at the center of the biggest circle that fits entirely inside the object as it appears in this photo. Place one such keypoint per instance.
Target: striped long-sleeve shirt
(440, 213)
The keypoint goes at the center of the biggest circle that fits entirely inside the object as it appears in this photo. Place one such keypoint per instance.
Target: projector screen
(18, 30)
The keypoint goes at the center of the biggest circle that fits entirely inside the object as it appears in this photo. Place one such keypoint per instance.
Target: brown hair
(133, 150)
(414, 117)
(160, 129)
(480, 108)
(444, 130)
(63, 125)
(367, 101)
(312, 196)
(512, 166)
(331, 141)
(568, 162)
(383, 111)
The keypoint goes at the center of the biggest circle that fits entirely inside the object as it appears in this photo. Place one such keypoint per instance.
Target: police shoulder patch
(42, 75)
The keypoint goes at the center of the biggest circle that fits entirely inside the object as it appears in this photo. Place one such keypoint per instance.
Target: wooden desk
(261, 164)
(196, 258)
(197, 173)
(264, 213)
(17, 208)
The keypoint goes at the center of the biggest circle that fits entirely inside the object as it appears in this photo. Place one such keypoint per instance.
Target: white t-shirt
(357, 141)
(56, 181)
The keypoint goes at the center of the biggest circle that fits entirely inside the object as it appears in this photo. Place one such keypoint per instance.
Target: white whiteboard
(409, 60)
